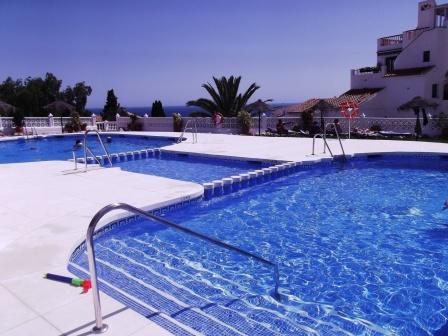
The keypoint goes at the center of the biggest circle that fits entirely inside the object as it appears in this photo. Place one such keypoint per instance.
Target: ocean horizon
(185, 111)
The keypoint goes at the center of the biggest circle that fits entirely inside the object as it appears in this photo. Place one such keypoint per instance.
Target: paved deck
(45, 211)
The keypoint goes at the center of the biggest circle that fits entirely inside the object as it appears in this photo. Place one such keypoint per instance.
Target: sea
(169, 110)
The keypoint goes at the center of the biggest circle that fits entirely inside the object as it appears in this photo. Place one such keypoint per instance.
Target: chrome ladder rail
(337, 135)
(325, 143)
(194, 131)
(101, 327)
(87, 149)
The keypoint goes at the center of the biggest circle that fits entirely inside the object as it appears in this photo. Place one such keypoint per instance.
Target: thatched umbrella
(323, 107)
(418, 104)
(6, 109)
(260, 106)
(59, 108)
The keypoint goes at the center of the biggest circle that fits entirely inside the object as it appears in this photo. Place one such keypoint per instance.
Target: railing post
(50, 120)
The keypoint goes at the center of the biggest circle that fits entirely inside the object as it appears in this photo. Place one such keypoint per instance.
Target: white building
(414, 63)
(411, 64)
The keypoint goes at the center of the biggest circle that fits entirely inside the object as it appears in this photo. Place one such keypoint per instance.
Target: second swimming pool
(187, 167)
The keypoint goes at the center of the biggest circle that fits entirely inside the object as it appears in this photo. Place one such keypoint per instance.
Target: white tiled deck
(44, 212)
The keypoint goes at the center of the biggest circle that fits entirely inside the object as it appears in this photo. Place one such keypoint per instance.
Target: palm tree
(225, 98)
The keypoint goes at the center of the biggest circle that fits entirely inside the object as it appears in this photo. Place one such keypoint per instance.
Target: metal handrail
(337, 135)
(324, 138)
(86, 148)
(194, 131)
(100, 327)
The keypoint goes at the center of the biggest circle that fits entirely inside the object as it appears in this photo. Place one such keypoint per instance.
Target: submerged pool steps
(152, 275)
(184, 301)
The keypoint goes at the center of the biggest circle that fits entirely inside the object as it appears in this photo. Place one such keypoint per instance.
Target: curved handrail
(99, 325)
(324, 138)
(88, 149)
(194, 131)
(337, 135)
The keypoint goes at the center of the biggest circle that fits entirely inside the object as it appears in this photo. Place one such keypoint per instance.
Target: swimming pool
(361, 248)
(60, 147)
(194, 168)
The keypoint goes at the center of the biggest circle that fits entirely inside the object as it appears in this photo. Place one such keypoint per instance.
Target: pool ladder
(324, 138)
(193, 129)
(88, 150)
(101, 327)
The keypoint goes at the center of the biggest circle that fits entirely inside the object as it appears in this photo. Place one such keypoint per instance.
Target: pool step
(223, 291)
(191, 290)
(218, 309)
(197, 318)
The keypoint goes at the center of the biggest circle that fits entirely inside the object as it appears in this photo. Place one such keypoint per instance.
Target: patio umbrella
(418, 104)
(6, 109)
(323, 107)
(59, 108)
(260, 106)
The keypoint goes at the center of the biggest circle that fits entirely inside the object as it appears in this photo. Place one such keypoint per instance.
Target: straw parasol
(259, 107)
(6, 109)
(59, 108)
(418, 104)
(323, 107)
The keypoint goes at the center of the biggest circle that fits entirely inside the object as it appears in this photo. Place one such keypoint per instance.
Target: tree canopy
(111, 108)
(157, 109)
(225, 99)
(32, 94)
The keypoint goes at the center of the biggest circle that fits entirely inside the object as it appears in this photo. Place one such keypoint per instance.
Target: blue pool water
(192, 168)
(361, 246)
(60, 147)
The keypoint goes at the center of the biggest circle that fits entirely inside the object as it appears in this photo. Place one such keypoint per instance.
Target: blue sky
(165, 49)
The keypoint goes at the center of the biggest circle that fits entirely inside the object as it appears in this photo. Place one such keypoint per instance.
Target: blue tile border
(131, 219)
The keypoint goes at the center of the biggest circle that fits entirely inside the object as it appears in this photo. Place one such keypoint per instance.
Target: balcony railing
(367, 70)
(391, 40)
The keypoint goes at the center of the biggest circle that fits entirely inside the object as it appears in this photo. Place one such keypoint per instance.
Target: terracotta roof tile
(356, 95)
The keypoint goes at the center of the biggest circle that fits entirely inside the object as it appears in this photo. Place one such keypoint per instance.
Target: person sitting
(281, 129)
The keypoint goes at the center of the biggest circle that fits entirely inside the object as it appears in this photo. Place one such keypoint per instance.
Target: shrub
(245, 121)
(18, 118)
(135, 125)
(375, 128)
(177, 122)
(441, 122)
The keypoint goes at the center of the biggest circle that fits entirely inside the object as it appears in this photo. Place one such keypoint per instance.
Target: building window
(426, 56)
(445, 92)
(435, 89)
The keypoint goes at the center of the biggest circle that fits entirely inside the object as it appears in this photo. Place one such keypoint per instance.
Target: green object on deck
(77, 282)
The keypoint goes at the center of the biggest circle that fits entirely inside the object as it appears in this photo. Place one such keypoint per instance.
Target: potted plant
(135, 124)
(177, 122)
(245, 121)
(18, 121)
